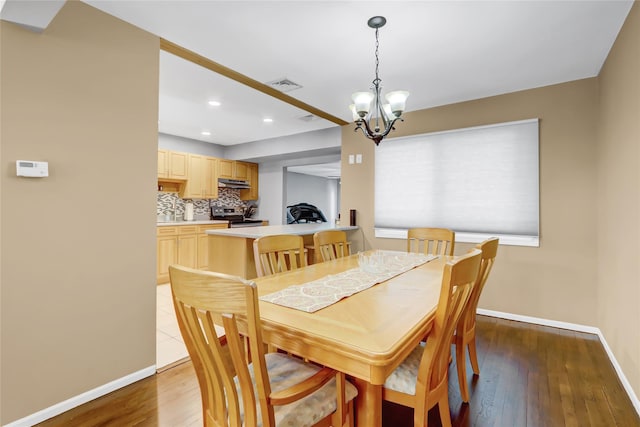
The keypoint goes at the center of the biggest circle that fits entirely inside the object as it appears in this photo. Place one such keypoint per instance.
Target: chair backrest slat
(330, 244)
(278, 253)
(431, 241)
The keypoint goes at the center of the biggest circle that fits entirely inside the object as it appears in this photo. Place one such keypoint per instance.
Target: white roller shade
(482, 180)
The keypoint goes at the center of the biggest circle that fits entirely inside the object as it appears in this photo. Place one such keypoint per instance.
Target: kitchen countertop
(198, 222)
(267, 230)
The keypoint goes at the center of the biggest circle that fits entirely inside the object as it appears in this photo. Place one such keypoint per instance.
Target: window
(481, 182)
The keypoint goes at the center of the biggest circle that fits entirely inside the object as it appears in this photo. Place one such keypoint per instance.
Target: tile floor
(169, 345)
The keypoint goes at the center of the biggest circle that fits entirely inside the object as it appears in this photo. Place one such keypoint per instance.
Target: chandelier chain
(377, 80)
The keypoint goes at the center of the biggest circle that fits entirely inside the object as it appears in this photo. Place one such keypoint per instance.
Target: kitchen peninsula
(231, 249)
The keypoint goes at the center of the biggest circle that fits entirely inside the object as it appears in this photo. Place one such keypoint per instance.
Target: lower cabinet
(166, 251)
(185, 245)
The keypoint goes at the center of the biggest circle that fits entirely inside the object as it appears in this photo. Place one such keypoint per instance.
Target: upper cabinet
(203, 178)
(252, 178)
(194, 187)
(211, 178)
(233, 169)
(241, 170)
(173, 165)
(226, 169)
(196, 176)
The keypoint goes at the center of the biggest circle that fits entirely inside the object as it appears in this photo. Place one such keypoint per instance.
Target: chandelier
(377, 122)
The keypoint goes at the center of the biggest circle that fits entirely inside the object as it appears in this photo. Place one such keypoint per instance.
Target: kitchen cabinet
(233, 169)
(172, 165)
(202, 182)
(211, 178)
(196, 176)
(166, 252)
(241, 170)
(226, 169)
(194, 187)
(252, 178)
(163, 163)
(175, 245)
(185, 245)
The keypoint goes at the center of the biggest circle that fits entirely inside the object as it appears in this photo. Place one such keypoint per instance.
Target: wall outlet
(351, 157)
(358, 158)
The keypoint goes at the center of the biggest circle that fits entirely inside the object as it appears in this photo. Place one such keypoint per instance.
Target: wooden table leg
(368, 404)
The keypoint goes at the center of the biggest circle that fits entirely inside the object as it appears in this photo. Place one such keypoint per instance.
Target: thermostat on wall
(32, 169)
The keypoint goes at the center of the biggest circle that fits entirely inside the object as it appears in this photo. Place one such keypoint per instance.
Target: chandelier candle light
(376, 123)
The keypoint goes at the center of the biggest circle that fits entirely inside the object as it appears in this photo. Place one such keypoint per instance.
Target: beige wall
(618, 287)
(78, 285)
(586, 269)
(557, 280)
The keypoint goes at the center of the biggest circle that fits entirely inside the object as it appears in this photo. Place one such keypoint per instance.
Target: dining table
(365, 335)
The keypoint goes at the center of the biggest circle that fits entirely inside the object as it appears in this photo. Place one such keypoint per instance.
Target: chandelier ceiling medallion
(377, 122)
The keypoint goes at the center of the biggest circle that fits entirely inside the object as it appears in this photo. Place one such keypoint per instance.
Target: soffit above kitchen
(441, 52)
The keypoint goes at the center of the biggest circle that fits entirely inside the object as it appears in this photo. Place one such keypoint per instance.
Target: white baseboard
(85, 397)
(623, 378)
(539, 321)
(573, 327)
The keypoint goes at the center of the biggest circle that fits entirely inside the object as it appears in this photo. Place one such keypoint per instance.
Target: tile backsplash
(201, 207)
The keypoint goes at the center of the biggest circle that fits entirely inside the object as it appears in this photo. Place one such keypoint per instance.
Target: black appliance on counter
(235, 216)
(304, 212)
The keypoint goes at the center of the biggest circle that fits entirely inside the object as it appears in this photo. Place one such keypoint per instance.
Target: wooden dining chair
(330, 244)
(431, 241)
(278, 253)
(465, 336)
(422, 380)
(273, 388)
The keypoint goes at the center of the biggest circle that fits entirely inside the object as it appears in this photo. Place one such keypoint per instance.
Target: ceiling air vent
(308, 118)
(284, 85)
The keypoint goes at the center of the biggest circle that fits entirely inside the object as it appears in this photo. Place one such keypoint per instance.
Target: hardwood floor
(529, 376)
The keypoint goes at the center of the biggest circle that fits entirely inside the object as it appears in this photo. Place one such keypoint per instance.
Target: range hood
(233, 183)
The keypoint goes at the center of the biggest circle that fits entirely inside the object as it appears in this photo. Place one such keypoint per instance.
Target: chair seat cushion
(285, 371)
(405, 376)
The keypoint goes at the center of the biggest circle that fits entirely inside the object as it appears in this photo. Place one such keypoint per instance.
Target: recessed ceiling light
(205, 133)
(214, 103)
(267, 120)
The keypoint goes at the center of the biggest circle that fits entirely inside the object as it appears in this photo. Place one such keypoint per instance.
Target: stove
(226, 212)
(235, 216)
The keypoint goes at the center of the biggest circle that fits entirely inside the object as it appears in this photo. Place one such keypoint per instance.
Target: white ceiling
(441, 51)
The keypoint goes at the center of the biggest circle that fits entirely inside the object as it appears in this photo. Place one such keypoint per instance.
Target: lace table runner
(321, 293)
